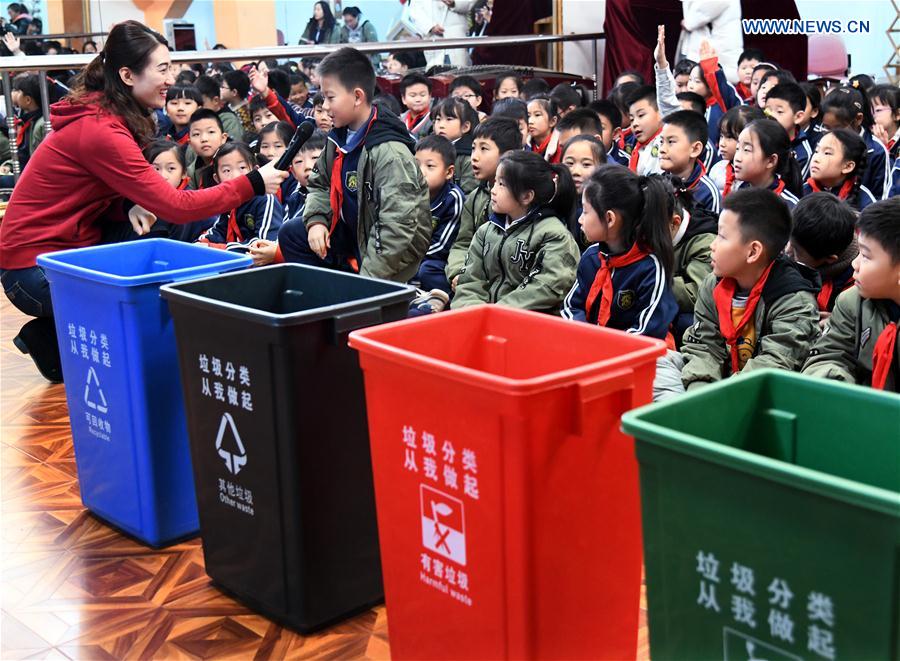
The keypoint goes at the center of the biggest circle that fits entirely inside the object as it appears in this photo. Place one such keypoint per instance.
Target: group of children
(748, 226)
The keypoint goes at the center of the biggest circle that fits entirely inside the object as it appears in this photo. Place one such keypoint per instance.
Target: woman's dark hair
(351, 11)
(456, 108)
(552, 184)
(327, 20)
(158, 147)
(855, 149)
(230, 147)
(642, 203)
(736, 119)
(282, 129)
(129, 44)
(773, 139)
(89, 42)
(845, 103)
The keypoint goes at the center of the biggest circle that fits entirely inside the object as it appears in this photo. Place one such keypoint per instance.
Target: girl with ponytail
(763, 159)
(838, 167)
(624, 280)
(525, 256)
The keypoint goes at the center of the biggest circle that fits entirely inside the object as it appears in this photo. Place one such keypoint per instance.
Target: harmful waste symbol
(233, 453)
(95, 400)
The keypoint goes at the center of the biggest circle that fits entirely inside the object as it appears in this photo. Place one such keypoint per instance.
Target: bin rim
(49, 261)
(783, 472)
(172, 292)
(363, 342)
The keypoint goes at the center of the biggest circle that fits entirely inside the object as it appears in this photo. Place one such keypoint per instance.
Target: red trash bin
(506, 494)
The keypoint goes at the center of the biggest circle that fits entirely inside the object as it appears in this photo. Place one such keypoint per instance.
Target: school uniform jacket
(295, 201)
(723, 96)
(642, 303)
(844, 351)
(418, 126)
(692, 257)
(528, 265)
(476, 210)
(260, 218)
(462, 174)
(877, 176)
(802, 149)
(778, 187)
(864, 196)
(704, 191)
(786, 320)
(446, 211)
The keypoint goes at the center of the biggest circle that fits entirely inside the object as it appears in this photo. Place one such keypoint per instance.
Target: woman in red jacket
(90, 171)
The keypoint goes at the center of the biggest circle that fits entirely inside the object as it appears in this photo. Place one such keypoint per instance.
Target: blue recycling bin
(120, 367)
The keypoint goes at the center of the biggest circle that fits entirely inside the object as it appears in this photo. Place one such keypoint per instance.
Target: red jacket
(81, 173)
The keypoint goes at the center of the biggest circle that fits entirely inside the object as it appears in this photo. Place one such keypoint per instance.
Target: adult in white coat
(447, 19)
(719, 22)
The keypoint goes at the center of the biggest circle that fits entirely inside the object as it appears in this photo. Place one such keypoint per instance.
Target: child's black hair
(184, 92)
(634, 73)
(205, 113)
(862, 81)
(546, 102)
(157, 147)
(619, 94)
(693, 124)
(230, 147)
(790, 92)
(280, 81)
(813, 94)
(208, 87)
(584, 120)
(698, 104)
(846, 104)
(239, 81)
(351, 68)
(888, 95)
(186, 77)
(879, 222)
(27, 84)
(773, 139)
(456, 108)
(511, 107)
(405, 57)
(318, 100)
(502, 131)
(298, 77)
(751, 54)
(257, 103)
(597, 148)
(506, 75)
(642, 204)
(642, 93)
(683, 67)
(411, 79)
(568, 95)
(282, 129)
(535, 87)
(781, 75)
(608, 109)
(552, 184)
(762, 216)
(441, 146)
(763, 66)
(736, 119)
(823, 225)
(317, 140)
(855, 149)
(467, 82)
(381, 100)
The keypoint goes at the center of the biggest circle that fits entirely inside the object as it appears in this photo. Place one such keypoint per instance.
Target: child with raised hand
(624, 279)
(823, 239)
(455, 119)
(886, 116)
(730, 126)
(181, 103)
(838, 166)
(763, 160)
(491, 139)
(523, 256)
(860, 343)
(206, 136)
(435, 156)
(260, 218)
(682, 140)
(646, 125)
(848, 107)
(543, 139)
(709, 81)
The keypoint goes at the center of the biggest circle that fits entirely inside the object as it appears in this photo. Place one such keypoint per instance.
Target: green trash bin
(771, 520)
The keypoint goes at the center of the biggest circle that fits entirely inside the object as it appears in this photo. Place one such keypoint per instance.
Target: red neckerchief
(623, 136)
(743, 91)
(729, 178)
(779, 187)
(185, 181)
(413, 120)
(723, 295)
(542, 148)
(279, 195)
(234, 232)
(602, 285)
(700, 176)
(883, 355)
(337, 183)
(636, 154)
(21, 129)
(842, 194)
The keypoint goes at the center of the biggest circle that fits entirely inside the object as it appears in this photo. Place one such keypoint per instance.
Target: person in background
(716, 21)
(209, 91)
(321, 28)
(89, 47)
(19, 18)
(400, 62)
(359, 30)
(233, 91)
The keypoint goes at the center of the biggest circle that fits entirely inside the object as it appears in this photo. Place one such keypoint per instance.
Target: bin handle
(591, 389)
(345, 323)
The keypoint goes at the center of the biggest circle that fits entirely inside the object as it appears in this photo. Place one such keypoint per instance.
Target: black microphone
(301, 135)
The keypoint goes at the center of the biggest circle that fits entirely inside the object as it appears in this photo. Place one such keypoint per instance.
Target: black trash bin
(279, 440)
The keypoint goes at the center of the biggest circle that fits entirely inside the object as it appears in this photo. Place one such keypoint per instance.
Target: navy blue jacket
(644, 303)
(295, 200)
(877, 177)
(260, 218)
(784, 193)
(802, 148)
(705, 193)
(446, 209)
(617, 155)
(864, 196)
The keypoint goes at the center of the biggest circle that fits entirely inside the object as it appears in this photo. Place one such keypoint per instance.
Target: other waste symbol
(233, 453)
(93, 393)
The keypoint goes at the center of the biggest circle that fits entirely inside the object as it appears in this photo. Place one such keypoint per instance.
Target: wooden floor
(73, 588)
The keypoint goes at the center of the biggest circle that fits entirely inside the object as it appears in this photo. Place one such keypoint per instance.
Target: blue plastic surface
(122, 379)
